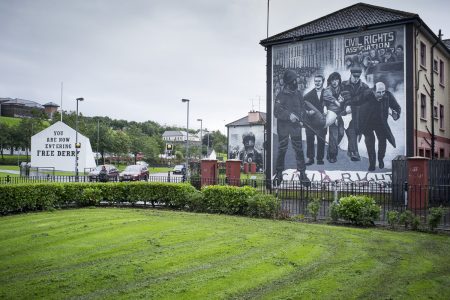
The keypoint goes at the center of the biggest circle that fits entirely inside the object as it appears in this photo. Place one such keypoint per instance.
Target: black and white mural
(246, 143)
(338, 107)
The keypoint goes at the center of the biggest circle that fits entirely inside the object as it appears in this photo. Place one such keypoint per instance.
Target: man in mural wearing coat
(289, 111)
(315, 98)
(374, 114)
(357, 90)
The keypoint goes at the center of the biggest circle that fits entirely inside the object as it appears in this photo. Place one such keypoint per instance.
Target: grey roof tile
(447, 43)
(357, 15)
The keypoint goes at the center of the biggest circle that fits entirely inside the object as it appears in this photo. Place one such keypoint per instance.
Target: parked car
(134, 172)
(111, 171)
(142, 163)
(179, 169)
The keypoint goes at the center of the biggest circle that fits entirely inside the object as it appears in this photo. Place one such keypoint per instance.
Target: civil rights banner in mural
(338, 106)
(246, 143)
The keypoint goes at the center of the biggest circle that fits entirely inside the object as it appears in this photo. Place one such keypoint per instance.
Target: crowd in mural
(310, 104)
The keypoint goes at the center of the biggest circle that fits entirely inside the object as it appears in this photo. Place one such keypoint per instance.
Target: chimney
(254, 117)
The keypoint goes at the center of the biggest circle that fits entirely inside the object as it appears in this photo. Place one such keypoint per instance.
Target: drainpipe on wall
(416, 121)
(433, 136)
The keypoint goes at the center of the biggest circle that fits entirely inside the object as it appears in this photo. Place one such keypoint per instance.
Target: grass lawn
(159, 169)
(10, 121)
(4, 174)
(133, 253)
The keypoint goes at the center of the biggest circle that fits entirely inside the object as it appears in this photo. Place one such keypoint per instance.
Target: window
(428, 153)
(441, 116)
(441, 153)
(435, 112)
(423, 106)
(435, 66)
(421, 153)
(423, 54)
(441, 72)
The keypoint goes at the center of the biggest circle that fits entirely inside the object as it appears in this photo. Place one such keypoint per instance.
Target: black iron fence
(295, 195)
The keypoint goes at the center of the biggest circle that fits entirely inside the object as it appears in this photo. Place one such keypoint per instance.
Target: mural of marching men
(340, 99)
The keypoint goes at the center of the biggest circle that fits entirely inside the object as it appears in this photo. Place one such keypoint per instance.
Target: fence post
(335, 191)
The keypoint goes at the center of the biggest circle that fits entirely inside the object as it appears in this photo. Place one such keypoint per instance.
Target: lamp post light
(201, 137)
(187, 134)
(77, 145)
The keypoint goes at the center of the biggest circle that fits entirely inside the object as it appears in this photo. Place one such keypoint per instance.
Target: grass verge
(131, 253)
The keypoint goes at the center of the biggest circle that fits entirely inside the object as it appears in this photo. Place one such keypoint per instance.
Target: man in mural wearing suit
(249, 154)
(357, 91)
(315, 98)
(289, 111)
(374, 113)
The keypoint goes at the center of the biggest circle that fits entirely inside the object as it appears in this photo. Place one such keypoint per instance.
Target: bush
(334, 211)
(91, 196)
(407, 219)
(227, 199)
(393, 218)
(435, 216)
(216, 199)
(13, 159)
(196, 202)
(313, 208)
(262, 206)
(359, 210)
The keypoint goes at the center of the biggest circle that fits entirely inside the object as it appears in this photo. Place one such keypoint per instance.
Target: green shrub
(13, 160)
(227, 199)
(91, 196)
(334, 211)
(393, 218)
(196, 202)
(314, 208)
(435, 216)
(262, 206)
(407, 219)
(359, 210)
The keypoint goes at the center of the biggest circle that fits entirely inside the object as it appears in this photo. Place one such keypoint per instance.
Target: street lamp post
(187, 134)
(77, 146)
(201, 137)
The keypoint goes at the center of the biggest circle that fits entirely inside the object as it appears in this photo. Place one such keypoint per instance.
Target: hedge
(214, 199)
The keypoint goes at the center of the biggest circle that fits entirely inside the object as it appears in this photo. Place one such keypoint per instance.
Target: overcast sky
(136, 59)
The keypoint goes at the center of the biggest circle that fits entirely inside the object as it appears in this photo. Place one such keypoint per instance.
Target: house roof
(169, 133)
(22, 102)
(244, 121)
(354, 16)
(447, 43)
(51, 104)
(360, 16)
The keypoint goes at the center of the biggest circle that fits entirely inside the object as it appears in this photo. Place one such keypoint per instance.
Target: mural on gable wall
(246, 143)
(338, 106)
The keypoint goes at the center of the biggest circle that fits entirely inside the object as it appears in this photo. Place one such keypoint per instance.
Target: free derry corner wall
(366, 50)
(54, 147)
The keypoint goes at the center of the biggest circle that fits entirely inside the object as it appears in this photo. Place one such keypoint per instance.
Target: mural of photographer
(246, 144)
(349, 93)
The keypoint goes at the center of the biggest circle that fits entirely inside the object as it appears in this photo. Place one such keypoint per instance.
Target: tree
(120, 143)
(5, 136)
(137, 140)
(218, 141)
(25, 130)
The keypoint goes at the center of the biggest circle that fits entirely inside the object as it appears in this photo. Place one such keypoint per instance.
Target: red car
(134, 172)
